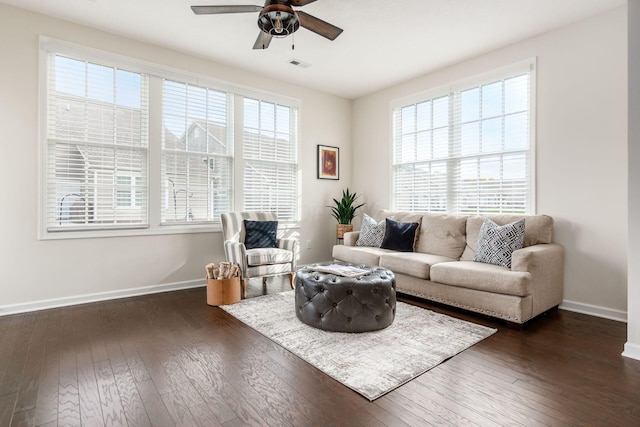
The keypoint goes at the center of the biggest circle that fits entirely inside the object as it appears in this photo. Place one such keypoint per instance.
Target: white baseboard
(594, 310)
(6, 310)
(631, 351)
(100, 296)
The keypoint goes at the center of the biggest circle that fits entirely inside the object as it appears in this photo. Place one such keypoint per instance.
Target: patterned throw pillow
(371, 233)
(497, 243)
(399, 236)
(260, 234)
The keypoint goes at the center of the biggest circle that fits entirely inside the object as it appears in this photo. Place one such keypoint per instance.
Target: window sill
(130, 232)
(147, 231)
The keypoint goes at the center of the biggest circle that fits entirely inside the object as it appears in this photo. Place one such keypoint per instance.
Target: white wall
(33, 270)
(581, 164)
(581, 148)
(632, 347)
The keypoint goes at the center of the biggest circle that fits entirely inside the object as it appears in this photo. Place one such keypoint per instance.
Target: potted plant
(344, 211)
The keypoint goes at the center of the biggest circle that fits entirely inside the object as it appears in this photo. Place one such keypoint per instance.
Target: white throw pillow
(497, 243)
(371, 233)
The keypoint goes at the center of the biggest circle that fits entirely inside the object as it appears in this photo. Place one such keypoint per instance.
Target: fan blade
(208, 10)
(301, 2)
(318, 26)
(263, 40)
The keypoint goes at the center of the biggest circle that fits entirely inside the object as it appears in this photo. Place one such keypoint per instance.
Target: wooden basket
(223, 291)
(343, 228)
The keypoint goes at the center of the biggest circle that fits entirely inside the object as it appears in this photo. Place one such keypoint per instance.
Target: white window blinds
(421, 150)
(196, 153)
(469, 151)
(133, 148)
(96, 134)
(270, 170)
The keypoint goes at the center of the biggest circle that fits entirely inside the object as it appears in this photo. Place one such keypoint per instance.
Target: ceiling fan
(277, 18)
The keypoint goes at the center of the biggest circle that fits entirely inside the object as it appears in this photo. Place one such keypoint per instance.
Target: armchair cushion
(260, 234)
(261, 256)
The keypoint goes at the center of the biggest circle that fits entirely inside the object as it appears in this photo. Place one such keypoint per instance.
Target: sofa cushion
(413, 264)
(483, 277)
(538, 229)
(399, 236)
(442, 234)
(371, 232)
(496, 243)
(358, 254)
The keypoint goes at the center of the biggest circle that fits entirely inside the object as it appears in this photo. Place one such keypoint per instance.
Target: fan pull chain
(293, 41)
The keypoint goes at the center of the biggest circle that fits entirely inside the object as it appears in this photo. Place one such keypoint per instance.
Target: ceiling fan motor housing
(278, 20)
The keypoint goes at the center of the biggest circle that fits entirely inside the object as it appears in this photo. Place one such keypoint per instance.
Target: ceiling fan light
(278, 23)
(278, 20)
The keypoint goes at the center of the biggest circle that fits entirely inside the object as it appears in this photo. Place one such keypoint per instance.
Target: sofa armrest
(536, 256)
(545, 263)
(350, 238)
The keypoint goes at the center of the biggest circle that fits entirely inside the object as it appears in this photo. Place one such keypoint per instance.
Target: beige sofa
(442, 268)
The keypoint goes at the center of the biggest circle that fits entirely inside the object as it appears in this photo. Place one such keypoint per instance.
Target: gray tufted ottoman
(346, 304)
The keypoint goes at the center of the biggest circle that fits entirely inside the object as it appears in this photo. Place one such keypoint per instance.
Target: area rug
(371, 363)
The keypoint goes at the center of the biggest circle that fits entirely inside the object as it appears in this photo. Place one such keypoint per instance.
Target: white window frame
(97, 187)
(452, 90)
(155, 186)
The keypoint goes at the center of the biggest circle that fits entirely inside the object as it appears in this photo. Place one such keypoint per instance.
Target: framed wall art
(328, 162)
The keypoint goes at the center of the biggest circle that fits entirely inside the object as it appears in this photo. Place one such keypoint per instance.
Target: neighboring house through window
(128, 191)
(197, 153)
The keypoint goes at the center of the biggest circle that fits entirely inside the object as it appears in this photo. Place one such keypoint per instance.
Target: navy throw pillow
(260, 234)
(399, 236)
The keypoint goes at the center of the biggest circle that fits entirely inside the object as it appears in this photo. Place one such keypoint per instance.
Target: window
(196, 153)
(132, 148)
(270, 158)
(97, 141)
(466, 150)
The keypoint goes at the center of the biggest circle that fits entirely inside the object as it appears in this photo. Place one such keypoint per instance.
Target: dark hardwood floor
(169, 359)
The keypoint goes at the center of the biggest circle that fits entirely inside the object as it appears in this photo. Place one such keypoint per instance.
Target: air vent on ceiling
(299, 63)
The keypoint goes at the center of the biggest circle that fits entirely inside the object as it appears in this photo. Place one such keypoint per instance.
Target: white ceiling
(384, 41)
